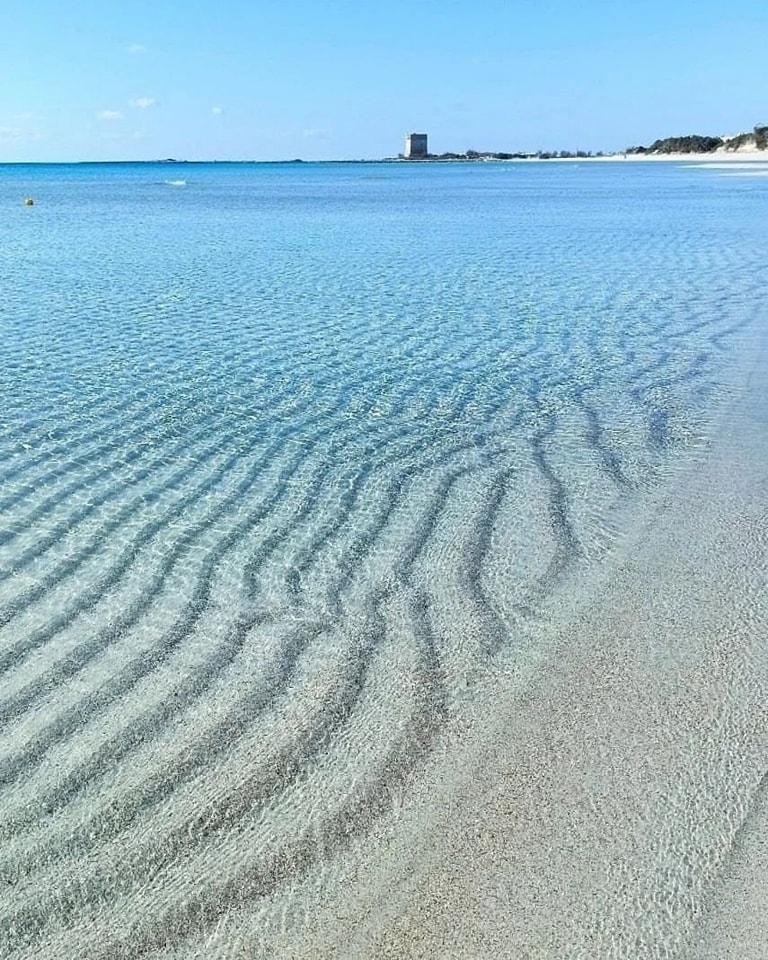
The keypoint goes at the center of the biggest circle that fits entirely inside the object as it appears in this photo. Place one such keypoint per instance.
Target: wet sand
(614, 809)
(736, 926)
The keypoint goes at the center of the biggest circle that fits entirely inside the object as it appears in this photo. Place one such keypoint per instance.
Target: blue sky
(100, 80)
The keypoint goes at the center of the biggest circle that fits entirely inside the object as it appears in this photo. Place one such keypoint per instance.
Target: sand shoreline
(599, 811)
(718, 156)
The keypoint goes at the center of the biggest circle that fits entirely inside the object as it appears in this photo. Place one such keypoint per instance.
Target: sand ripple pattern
(288, 460)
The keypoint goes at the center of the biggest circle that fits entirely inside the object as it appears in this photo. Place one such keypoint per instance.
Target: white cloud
(109, 115)
(143, 102)
(8, 134)
(217, 111)
(315, 134)
(135, 49)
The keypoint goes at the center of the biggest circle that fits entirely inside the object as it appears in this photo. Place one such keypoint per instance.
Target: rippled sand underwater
(309, 475)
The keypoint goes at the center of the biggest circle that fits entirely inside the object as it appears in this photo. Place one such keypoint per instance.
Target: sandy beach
(590, 815)
(730, 157)
(718, 156)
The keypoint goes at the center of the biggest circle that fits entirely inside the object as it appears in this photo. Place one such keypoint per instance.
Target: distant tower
(415, 146)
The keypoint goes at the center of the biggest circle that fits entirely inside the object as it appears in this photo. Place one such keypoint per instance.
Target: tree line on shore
(495, 155)
(757, 139)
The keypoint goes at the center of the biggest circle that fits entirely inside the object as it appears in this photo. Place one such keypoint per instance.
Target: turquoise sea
(293, 459)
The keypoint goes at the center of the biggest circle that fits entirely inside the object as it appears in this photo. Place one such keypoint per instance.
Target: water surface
(292, 456)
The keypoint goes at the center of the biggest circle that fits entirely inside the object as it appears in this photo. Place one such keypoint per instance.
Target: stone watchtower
(415, 146)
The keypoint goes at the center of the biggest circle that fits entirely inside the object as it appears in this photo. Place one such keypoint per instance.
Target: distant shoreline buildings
(416, 146)
(756, 141)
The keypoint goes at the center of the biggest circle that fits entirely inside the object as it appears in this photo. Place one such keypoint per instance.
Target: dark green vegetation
(694, 143)
(757, 139)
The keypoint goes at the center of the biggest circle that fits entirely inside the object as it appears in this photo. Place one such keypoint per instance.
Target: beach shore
(430, 624)
(613, 807)
(718, 156)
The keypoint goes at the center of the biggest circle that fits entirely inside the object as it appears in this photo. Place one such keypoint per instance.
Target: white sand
(617, 808)
(718, 156)
(736, 928)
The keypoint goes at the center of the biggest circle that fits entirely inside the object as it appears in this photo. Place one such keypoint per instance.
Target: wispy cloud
(18, 133)
(109, 115)
(315, 134)
(135, 49)
(217, 111)
(143, 103)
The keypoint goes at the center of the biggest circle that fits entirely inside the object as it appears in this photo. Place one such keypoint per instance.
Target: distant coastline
(740, 146)
(743, 156)
(744, 147)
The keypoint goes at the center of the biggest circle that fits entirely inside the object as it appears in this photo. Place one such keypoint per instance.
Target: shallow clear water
(290, 456)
